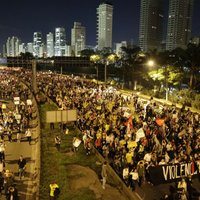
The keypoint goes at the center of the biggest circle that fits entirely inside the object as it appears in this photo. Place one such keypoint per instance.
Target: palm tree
(129, 63)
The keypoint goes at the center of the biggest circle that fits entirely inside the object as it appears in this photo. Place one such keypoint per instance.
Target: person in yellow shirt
(54, 191)
(129, 157)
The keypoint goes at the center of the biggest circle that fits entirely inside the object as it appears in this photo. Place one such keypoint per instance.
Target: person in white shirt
(162, 162)
(28, 134)
(134, 179)
(147, 158)
(125, 174)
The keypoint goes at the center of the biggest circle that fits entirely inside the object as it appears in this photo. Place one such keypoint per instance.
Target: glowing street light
(152, 63)
(111, 58)
(95, 58)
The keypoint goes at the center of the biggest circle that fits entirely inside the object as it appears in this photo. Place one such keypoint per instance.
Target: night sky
(21, 18)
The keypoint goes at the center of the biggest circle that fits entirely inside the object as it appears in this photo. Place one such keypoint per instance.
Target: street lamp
(151, 63)
(96, 58)
(108, 59)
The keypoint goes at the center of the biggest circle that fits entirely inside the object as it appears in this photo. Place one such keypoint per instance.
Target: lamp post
(105, 71)
(151, 63)
(95, 58)
(166, 84)
(34, 71)
(111, 58)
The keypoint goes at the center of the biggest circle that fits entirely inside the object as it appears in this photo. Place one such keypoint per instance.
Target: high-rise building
(195, 40)
(104, 25)
(78, 36)
(37, 43)
(30, 47)
(179, 23)
(50, 44)
(22, 48)
(12, 46)
(151, 25)
(119, 48)
(60, 42)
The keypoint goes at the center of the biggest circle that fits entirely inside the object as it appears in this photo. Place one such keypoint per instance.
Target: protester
(75, 143)
(134, 179)
(57, 142)
(1, 183)
(125, 129)
(22, 166)
(8, 180)
(2, 166)
(28, 134)
(12, 193)
(104, 174)
(54, 192)
(2, 150)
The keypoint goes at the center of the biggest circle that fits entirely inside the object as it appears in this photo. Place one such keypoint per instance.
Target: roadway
(28, 186)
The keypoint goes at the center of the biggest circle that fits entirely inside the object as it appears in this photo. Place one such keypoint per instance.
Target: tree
(189, 61)
(129, 62)
(87, 52)
(26, 55)
(193, 63)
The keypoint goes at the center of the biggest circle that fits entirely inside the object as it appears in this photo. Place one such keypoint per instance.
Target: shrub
(196, 102)
(184, 97)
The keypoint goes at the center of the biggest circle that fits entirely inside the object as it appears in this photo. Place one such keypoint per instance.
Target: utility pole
(166, 83)
(105, 72)
(34, 70)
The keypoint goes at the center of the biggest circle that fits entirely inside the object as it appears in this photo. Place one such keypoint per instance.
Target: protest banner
(170, 173)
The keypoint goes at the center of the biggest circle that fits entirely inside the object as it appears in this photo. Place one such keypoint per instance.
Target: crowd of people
(130, 133)
(16, 113)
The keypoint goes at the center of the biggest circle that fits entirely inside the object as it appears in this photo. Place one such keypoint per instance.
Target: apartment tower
(78, 36)
(104, 25)
(179, 24)
(12, 46)
(50, 45)
(37, 43)
(151, 25)
(60, 42)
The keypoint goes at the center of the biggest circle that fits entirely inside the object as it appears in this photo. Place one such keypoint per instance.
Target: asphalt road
(27, 186)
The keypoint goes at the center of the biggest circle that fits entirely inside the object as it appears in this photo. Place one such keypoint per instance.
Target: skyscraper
(12, 46)
(37, 43)
(30, 47)
(104, 25)
(179, 23)
(60, 42)
(151, 24)
(78, 36)
(50, 45)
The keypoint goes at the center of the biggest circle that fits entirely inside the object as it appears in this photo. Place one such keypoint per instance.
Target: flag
(160, 121)
(129, 122)
(139, 134)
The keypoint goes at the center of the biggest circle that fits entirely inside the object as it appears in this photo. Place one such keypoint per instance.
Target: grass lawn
(55, 165)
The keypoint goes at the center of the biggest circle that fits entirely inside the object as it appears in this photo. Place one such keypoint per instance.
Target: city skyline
(45, 16)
